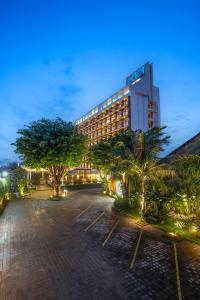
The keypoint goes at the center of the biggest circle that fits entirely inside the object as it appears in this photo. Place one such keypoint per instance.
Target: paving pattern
(48, 252)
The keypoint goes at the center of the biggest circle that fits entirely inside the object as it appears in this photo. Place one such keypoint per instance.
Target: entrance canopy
(28, 169)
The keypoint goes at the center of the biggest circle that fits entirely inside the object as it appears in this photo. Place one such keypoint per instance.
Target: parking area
(80, 249)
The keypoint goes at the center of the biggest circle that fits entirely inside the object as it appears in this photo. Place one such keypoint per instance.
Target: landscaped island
(164, 192)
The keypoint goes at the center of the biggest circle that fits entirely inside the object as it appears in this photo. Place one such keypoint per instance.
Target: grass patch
(128, 211)
(166, 223)
(175, 226)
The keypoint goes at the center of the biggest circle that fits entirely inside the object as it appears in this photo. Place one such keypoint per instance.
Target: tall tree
(131, 147)
(101, 157)
(133, 157)
(54, 145)
(188, 170)
(17, 179)
(148, 171)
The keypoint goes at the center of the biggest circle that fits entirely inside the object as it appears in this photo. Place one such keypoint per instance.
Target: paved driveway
(79, 249)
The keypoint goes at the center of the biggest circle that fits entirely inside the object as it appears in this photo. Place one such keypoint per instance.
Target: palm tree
(136, 148)
(132, 154)
(150, 144)
(148, 171)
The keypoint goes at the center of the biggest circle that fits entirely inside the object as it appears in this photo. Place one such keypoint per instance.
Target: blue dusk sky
(60, 58)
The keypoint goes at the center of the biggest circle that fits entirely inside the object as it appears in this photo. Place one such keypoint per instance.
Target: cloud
(48, 90)
(181, 128)
(69, 88)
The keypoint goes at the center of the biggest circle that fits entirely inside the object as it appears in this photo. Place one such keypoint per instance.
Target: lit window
(126, 90)
(109, 101)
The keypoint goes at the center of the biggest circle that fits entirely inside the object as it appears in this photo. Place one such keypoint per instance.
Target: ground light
(194, 228)
(172, 234)
(8, 196)
(179, 224)
(65, 193)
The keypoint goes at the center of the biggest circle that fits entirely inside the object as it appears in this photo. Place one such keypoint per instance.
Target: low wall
(83, 186)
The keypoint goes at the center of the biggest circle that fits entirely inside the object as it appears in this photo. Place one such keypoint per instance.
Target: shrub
(120, 204)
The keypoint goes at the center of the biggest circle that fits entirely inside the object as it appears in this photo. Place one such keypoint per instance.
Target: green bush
(17, 181)
(120, 204)
(3, 189)
(3, 203)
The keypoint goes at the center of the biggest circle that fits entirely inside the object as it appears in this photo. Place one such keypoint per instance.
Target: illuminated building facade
(135, 106)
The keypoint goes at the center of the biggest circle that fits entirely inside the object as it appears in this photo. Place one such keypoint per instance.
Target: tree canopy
(132, 156)
(45, 142)
(52, 144)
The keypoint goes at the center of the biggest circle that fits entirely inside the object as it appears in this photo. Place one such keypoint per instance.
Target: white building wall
(156, 99)
(139, 111)
(140, 94)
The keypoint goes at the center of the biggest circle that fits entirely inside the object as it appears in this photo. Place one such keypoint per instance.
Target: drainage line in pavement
(177, 273)
(110, 233)
(94, 222)
(83, 211)
(136, 250)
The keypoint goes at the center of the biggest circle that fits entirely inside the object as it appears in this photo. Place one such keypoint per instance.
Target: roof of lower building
(191, 146)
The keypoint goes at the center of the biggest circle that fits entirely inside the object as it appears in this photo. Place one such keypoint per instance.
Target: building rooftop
(191, 146)
(132, 79)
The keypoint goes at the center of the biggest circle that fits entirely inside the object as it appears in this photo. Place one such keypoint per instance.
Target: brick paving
(46, 254)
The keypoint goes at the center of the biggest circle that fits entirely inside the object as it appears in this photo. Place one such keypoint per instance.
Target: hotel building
(135, 106)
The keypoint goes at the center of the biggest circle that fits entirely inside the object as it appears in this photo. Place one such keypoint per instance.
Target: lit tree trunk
(57, 189)
(129, 187)
(57, 173)
(105, 182)
(143, 200)
(125, 190)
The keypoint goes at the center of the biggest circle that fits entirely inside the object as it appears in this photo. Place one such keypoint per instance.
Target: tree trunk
(143, 200)
(57, 190)
(125, 190)
(129, 186)
(57, 173)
